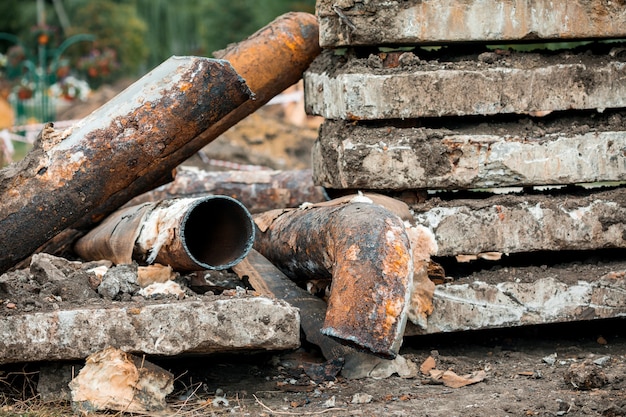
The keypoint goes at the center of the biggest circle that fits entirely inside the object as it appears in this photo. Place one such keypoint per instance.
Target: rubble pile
(501, 148)
(441, 145)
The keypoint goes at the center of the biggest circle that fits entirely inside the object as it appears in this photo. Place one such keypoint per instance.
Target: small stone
(602, 361)
(488, 57)
(361, 398)
(374, 61)
(550, 359)
(585, 376)
(329, 403)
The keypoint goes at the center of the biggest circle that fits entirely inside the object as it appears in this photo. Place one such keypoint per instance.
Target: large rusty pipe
(86, 171)
(211, 232)
(131, 144)
(270, 60)
(366, 251)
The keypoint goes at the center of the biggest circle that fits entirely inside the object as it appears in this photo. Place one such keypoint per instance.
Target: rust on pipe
(130, 145)
(74, 174)
(188, 234)
(365, 250)
(270, 60)
(269, 281)
(259, 191)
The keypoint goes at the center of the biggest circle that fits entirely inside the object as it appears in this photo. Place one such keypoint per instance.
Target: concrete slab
(524, 152)
(172, 328)
(526, 222)
(377, 22)
(523, 83)
(553, 297)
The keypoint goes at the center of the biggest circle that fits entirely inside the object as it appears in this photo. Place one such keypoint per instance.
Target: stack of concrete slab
(446, 98)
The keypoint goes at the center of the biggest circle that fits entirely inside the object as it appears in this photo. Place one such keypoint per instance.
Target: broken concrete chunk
(188, 326)
(119, 280)
(163, 288)
(399, 22)
(526, 223)
(48, 268)
(525, 152)
(585, 375)
(115, 380)
(152, 274)
(526, 84)
(476, 304)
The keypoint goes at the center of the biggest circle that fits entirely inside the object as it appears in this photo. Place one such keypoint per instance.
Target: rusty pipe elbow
(366, 251)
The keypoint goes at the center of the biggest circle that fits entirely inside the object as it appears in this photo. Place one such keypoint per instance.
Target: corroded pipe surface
(115, 153)
(259, 191)
(367, 252)
(132, 144)
(212, 232)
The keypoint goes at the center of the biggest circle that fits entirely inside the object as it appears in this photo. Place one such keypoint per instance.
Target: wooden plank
(380, 22)
(524, 152)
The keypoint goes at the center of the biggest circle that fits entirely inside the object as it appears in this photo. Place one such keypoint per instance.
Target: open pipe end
(217, 232)
(362, 344)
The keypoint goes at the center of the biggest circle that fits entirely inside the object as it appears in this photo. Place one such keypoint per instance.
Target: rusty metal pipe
(131, 144)
(259, 191)
(189, 234)
(88, 171)
(366, 251)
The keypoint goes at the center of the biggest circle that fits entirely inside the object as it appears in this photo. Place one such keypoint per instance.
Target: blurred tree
(227, 22)
(172, 28)
(199, 27)
(119, 32)
(141, 34)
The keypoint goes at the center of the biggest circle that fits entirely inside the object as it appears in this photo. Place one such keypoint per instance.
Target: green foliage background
(146, 32)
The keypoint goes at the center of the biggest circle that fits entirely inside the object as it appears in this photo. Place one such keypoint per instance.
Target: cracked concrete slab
(526, 223)
(525, 152)
(171, 328)
(472, 304)
(380, 22)
(521, 83)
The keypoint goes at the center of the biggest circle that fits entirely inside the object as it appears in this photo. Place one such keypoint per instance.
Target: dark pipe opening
(218, 232)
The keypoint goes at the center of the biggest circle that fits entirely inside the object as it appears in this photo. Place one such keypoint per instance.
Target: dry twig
(287, 413)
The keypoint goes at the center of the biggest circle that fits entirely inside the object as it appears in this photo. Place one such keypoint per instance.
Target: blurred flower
(99, 63)
(24, 89)
(70, 88)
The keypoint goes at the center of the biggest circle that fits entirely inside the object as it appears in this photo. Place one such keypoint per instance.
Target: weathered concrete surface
(481, 305)
(377, 22)
(352, 156)
(223, 325)
(526, 223)
(522, 83)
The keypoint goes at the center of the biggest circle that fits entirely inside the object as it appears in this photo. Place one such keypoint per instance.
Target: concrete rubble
(380, 22)
(483, 305)
(365, 89)
(470, 156)
(500, 147)
(73, 321)
(402, 120)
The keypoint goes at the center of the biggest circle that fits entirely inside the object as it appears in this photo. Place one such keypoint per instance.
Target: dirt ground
(565, 369)
(572, 369)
